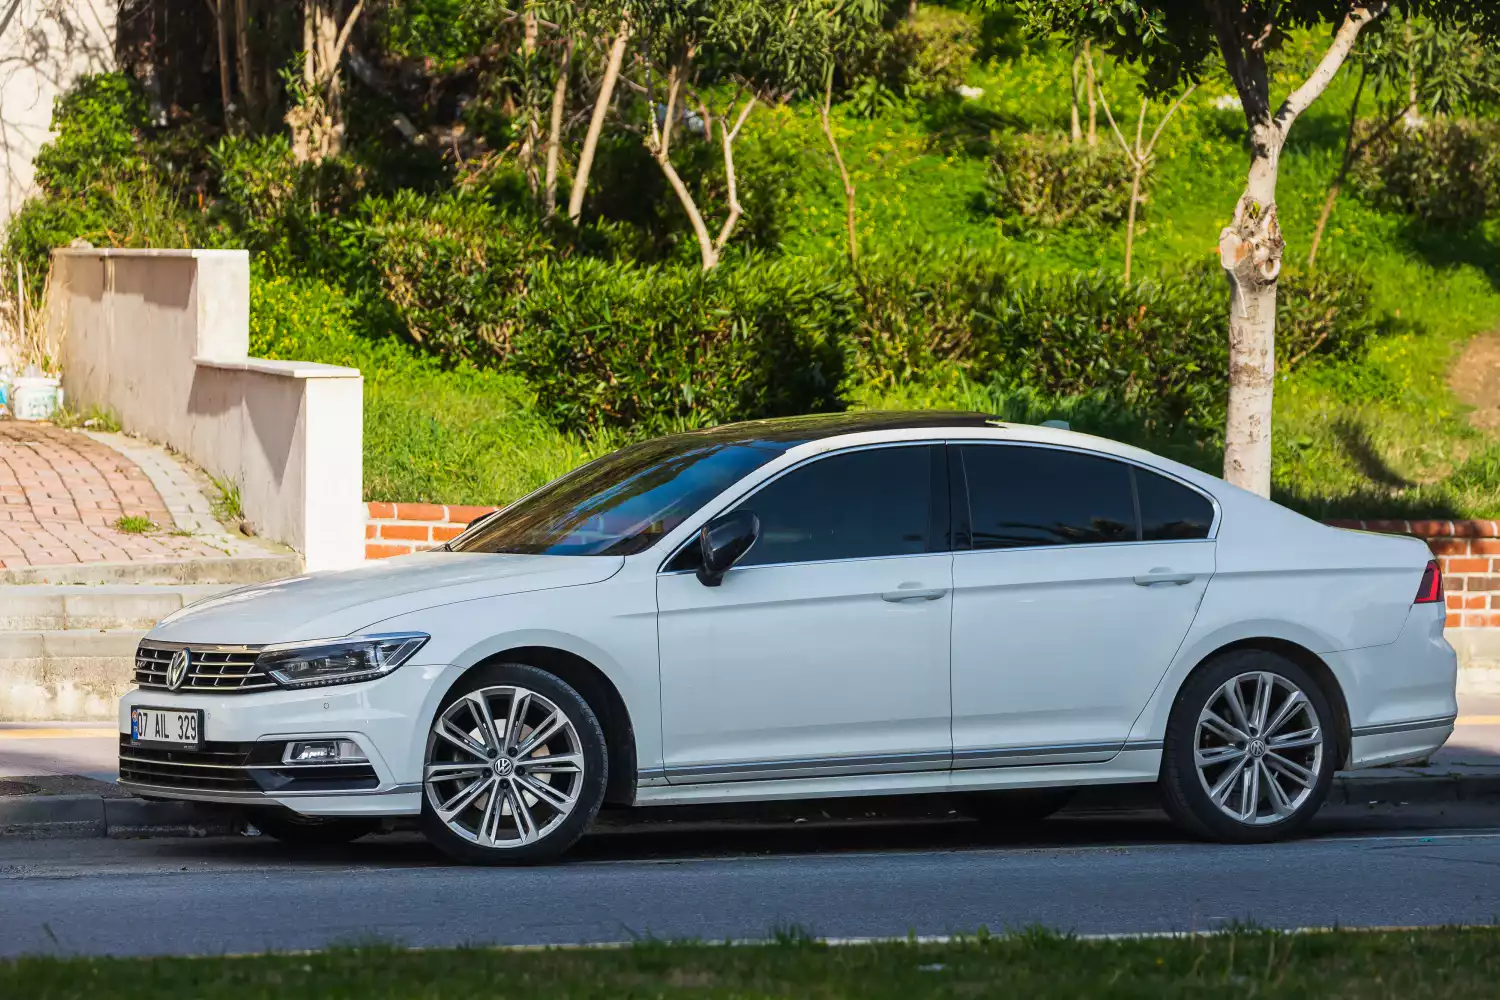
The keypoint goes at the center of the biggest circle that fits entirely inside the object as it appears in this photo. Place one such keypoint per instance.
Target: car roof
(790, 431)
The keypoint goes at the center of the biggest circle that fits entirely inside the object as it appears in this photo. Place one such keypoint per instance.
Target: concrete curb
(39, 816)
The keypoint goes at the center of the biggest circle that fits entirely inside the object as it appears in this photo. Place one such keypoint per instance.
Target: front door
(825, 650)
(1074, 591)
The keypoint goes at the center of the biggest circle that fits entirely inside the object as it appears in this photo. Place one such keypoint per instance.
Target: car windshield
(623, 503)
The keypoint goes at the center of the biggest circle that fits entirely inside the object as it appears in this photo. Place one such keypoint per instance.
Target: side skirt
(1126, 767)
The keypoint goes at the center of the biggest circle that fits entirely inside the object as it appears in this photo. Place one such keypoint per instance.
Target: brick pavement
(61, 493)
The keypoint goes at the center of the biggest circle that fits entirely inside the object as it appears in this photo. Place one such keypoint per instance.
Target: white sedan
(855, 604)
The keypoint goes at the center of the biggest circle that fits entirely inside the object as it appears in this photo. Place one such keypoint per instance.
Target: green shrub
(931, 52)
(454, 268)
(285, 211)
(1445, 173)
(1043, 181)
(99, 124)
(1326, 314)
(654, 349)
(919, 309)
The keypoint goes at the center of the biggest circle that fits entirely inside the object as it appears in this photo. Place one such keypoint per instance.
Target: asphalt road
(1086, 873)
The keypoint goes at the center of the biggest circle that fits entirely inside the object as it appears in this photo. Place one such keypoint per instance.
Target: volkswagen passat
(822, 606)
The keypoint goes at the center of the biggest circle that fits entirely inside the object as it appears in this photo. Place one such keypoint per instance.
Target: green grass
(1446, 963)
(433, 432)
(135, 524)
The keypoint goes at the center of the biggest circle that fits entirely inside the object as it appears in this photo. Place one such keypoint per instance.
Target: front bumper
(239, 762)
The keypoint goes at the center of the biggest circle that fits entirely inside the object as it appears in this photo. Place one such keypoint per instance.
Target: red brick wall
(1469, 551)
(398, 529)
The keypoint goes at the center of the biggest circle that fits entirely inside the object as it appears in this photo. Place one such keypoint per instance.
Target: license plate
(169, 726)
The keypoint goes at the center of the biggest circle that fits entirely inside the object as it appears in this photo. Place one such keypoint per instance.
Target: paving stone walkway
(62, 492)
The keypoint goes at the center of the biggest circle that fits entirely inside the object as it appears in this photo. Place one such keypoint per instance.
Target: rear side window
(856, 505)
(1169, 510)
(1020, 497)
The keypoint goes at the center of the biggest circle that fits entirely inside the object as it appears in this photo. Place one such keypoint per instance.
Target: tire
(474, 776)
(1021, 807)
(306, 831)
(1294, 754)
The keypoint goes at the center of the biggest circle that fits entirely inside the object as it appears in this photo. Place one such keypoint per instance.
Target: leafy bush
(1327, 314)
(1445, 173)
(284, 210)
(1041, 180)
(654, 349)
(454, 268)
(919, 309)
(931, 52)
(98, 124)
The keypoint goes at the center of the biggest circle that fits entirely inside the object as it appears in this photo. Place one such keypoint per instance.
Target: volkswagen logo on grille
(177, 670)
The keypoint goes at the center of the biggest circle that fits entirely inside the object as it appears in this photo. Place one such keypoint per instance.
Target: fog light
(324, 752)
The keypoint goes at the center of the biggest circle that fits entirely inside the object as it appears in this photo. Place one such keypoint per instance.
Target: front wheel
(515, 768)
(1250, 749)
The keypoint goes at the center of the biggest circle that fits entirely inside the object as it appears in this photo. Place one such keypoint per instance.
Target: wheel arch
(602, 696)
(1305, 658)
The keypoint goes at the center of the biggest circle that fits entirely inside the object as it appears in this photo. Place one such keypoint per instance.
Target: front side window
(854, 505)
(1022, 496)
(623, 503)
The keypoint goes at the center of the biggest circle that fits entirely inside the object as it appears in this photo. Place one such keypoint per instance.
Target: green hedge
(654, 349)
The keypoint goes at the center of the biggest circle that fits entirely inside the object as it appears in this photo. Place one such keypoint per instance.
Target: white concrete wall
(44, 46)
(161, 338)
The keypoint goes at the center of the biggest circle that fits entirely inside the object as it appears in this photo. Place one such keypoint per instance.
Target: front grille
(222, 669)
(217, 767)
(236, 767)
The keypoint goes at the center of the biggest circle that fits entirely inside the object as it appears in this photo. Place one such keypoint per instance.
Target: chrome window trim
(730, 505)
(1213, 529)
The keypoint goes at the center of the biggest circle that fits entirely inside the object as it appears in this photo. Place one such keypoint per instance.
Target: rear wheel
(1250, 750)
(515, 768)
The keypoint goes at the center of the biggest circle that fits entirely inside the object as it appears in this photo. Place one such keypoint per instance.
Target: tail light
(1431, 590)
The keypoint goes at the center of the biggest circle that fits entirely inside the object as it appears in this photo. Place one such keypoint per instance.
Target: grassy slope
(1382, 436)
(1447, 963)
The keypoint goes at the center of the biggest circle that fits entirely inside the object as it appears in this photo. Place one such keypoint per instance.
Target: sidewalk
(62, 492)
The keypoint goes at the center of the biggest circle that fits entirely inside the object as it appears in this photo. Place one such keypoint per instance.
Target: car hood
(323, 605)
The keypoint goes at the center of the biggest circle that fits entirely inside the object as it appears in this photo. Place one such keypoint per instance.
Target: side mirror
(723, 541)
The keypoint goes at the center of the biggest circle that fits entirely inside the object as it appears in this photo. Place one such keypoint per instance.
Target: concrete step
(65, 674)
(55, 607)
(228, 570)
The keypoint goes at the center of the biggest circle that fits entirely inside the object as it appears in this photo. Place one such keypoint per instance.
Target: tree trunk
(596, 123)
(1250, 251)
(221, 31)
(554, 129)
(527, 155)
(1088, 62)
(242, 54)
(1075, 130)
(1135, 197)
(838, 159)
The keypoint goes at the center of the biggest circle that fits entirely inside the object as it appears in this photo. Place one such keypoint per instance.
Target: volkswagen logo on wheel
(177, 670)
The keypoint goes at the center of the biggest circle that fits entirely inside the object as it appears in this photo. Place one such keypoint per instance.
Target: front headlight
(339, 661)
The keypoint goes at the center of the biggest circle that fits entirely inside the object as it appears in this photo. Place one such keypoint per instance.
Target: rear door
(1076, 578)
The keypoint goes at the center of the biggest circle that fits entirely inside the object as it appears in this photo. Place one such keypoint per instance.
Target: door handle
(1161, 575)
(911, 592)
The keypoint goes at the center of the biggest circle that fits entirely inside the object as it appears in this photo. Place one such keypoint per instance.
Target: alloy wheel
(1258, 748)
(504, 767)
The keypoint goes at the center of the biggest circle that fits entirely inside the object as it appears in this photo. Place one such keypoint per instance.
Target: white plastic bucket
(34, 397)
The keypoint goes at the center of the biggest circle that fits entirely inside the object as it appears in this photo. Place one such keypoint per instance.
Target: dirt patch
(1475, 379)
